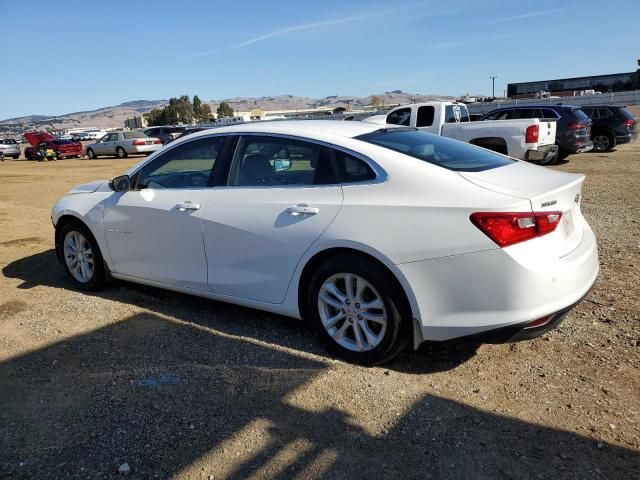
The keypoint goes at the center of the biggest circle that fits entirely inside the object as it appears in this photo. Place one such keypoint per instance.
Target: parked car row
(524, 139)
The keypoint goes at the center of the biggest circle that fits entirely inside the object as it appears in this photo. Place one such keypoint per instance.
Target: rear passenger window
(350, 169)
(604, 113)
(264, 161)
(523, 113)
(400, 117)
(501, 115)
(548, 113)
(425, 116)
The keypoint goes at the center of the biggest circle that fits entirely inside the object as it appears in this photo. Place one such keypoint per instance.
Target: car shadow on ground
(44, 269)
(171, 398)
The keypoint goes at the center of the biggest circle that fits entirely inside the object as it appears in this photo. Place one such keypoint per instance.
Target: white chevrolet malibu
(378, 237)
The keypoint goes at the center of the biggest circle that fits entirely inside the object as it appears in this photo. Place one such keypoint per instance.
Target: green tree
(224, 110)
(376, 101)
(206, 114)
(197, 107)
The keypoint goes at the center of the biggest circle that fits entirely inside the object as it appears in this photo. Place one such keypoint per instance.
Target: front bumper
(478, 292)
(544, 152)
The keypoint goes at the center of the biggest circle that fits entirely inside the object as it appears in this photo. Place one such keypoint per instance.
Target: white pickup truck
(526, 139)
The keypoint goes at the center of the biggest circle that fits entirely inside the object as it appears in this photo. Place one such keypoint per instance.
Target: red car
(61, 148)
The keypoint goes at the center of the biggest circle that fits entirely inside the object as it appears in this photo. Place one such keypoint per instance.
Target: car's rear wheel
(81, 256)
(91, 154)
(358, 310)
(15, 157)
(121, 153)
(603, 142)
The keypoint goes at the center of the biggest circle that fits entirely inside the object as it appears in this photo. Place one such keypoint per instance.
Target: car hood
(35, 138)
(90, 187)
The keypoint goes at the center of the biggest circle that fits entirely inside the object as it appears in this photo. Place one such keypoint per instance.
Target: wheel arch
(317, 258)
(495, 144)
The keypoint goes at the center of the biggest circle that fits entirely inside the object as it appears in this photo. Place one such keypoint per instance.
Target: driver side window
(185, 166)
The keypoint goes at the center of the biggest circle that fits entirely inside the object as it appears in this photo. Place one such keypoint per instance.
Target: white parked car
(123, 144)
(379, 237)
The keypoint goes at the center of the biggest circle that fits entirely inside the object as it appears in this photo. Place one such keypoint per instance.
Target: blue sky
(81, 55)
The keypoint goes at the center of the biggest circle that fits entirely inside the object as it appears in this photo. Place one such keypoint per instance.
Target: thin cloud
(307, 26)
(539, 13)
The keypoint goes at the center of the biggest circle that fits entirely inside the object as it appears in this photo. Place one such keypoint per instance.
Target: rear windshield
(444, 152)
(128, 135)
(627, 114)
(580, 115)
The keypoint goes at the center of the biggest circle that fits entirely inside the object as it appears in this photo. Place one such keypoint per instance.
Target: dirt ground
(181, 387)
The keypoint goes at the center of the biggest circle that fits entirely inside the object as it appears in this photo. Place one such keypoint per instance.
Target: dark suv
(166, 134)
(611, 126)
(573, 131)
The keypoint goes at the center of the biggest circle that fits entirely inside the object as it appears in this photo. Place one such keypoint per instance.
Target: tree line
(182, 110)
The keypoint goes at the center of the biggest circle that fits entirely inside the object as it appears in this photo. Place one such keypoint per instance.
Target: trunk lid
(35, 138)
(547, 191)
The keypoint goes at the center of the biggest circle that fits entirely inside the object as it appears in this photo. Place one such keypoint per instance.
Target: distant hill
(114, 116)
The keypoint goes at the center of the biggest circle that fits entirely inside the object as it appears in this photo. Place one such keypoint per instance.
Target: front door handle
(302, 209)
(187, 206)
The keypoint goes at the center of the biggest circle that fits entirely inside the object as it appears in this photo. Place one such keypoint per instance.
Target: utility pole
(493, 85)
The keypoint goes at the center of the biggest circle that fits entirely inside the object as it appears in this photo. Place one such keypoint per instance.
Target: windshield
(128, 135)
(580, 115)
(444, 152)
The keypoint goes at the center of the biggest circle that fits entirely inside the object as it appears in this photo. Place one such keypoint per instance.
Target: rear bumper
(577, 145)
(544, 152)
(627, 138)
(143, 148)
(486, 291)
(10, 152)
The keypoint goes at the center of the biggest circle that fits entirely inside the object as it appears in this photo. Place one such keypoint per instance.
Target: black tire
(91, 154)
(121, 153)
(15, 157)
(398, 327)
(98, 279)
(562, 154)
(603, 141)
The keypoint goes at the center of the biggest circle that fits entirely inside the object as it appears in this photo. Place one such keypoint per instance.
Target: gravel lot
(181, 387)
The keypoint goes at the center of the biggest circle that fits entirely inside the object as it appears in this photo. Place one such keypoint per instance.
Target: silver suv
(9, 148)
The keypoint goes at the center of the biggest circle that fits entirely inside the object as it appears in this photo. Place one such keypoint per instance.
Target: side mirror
(120, 184)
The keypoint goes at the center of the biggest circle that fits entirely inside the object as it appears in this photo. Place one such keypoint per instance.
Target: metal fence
(614, 98)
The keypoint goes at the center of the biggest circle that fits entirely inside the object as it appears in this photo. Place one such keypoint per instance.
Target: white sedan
(123, 144)
(379, 237)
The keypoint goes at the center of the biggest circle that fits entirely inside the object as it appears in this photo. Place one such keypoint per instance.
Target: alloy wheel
(78, 256)
(352, 312)
(601, 143)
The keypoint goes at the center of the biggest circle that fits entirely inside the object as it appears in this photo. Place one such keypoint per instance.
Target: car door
(154, 231)
(98, 147)
(280, 196)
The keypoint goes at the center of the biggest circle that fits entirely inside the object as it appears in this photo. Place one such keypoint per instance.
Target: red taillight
(531, 135)
(509, 228)
(628, 123)
(157, 141)
(577, 126)
(139, 142)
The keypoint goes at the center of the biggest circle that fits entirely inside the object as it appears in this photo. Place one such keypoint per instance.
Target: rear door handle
(302, 209)
(187, 206)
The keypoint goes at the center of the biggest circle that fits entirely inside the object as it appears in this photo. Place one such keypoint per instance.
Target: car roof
(318, 129)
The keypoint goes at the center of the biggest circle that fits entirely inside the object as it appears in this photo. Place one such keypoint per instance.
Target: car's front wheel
(359, 310)
(81, 256)
(91, 154)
